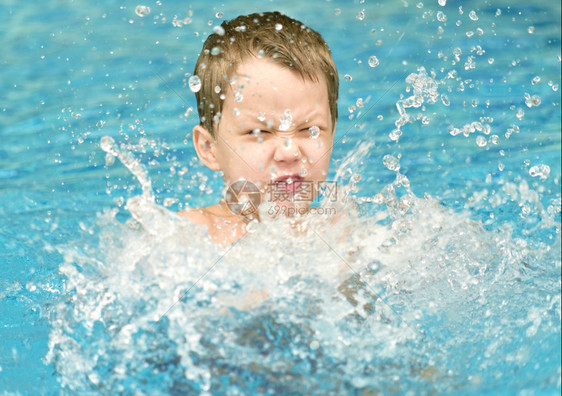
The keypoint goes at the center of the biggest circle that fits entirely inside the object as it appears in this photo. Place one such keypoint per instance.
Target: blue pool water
(442, 278)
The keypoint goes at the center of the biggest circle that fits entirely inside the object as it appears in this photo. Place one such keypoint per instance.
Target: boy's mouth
(288, 183)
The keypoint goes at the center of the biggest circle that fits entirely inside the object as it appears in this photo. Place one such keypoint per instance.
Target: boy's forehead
(248, 79)
(267, 75)
(255, 72)
(271, 93)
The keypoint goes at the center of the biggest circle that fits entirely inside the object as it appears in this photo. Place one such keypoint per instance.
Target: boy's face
(275, 131)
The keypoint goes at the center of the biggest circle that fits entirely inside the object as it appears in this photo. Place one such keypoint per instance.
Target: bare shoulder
(223, 227)
(196, 216)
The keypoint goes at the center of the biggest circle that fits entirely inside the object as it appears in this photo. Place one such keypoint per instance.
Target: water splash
(391, 300)
(107, 144)
(424, 91)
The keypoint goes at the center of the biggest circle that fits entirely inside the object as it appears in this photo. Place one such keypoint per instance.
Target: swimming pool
(447, 281)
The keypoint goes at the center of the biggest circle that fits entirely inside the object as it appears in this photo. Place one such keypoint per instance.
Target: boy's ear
(204, 146)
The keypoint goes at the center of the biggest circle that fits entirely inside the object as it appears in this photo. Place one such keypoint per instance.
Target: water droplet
(481, 141)
(391, 163)
(494, 139)
(287, 143)
(445, 100)
(472, 15)
(278, 26)
(442, 3)
(361, 15)
(217, 89)
(531, 29)
(337, 12)
(535, 80)
(395, 134)
(520, 113)
(347, 77)
(261, 117)
(252, 226)
(498, 12)
(194, 83)
(219, 14)
(541, 170)
(441, 17)
(107, 144)
(142, 10)
(218, 30)
(170, 201)
(238, 97)
(373, 61)
(215, 51)
(314, 131)
(286, 120)
(359, 102)
(109, 159)
(419, 5)
(531, 101)
(470, 33)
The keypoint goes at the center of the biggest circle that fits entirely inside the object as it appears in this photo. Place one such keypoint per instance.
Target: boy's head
(267, 106)
(269, 35)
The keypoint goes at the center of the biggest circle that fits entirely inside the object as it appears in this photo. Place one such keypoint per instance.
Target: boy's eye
(257, 132)
(314, 131)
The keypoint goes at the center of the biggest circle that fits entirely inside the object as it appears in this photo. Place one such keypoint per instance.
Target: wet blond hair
(270, 35)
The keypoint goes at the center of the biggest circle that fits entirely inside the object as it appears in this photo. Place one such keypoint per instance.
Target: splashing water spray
(108, 145)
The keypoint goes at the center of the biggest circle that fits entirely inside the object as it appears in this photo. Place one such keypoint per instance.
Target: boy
(268, 110)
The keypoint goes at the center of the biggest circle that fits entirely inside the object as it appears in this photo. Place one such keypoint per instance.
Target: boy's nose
(287, 150)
